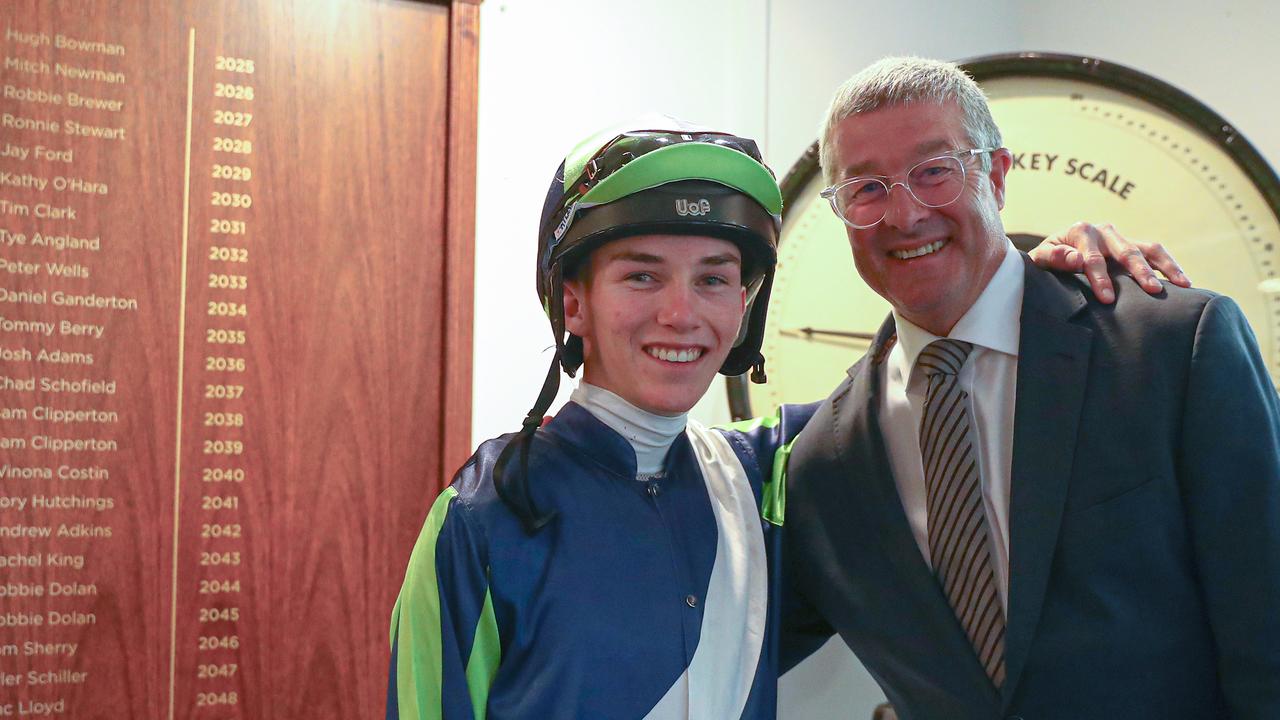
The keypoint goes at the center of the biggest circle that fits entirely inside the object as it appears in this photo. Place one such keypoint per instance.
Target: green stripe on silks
(417, 620)
(773, 500)
(773, 496)
(482, 666)
(395, 621)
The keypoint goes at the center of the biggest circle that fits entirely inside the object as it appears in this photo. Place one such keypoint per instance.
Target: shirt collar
(650, 434)
(577, 428)
(992, 322)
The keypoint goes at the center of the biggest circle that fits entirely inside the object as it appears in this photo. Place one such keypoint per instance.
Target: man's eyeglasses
(862, 202)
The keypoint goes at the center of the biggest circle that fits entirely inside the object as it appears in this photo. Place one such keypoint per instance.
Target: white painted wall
(552, 71)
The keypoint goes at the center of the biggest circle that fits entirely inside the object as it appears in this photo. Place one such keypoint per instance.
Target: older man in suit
(1023, 502)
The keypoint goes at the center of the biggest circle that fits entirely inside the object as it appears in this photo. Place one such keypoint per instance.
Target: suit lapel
(862, 449)
(915, 604)
(1053, 364)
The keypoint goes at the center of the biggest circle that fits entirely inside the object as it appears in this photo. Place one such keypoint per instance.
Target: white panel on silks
(718, 681)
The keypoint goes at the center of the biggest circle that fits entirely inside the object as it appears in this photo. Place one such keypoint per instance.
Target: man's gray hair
(903, 80)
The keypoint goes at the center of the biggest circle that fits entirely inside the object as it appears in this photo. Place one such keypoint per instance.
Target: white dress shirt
(989, 376)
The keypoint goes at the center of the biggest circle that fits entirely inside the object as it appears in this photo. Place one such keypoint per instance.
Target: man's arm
(444, 638)
(1229, 471)
(804, 630)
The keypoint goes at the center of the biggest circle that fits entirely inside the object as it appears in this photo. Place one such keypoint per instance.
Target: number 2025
(234, 64)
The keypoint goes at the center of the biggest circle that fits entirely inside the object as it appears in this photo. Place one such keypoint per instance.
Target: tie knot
(945, 356)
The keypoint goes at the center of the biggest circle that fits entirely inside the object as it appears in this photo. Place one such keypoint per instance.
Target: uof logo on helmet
(693, 207)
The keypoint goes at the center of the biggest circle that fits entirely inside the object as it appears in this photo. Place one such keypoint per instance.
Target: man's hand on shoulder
(1085, 247)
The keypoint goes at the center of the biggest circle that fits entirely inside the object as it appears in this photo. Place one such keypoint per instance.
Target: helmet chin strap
(512, 484)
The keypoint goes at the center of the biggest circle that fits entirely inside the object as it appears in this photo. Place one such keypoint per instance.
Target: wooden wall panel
(464, 77)
(265, 215)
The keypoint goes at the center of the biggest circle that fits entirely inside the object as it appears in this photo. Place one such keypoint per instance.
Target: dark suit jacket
(1144, 524)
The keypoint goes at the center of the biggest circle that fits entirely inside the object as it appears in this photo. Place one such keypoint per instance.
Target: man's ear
(1001, 161)
(575, 307)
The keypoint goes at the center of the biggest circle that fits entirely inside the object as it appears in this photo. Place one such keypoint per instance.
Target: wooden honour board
(235, 350)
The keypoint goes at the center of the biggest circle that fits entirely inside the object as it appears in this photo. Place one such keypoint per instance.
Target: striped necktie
(958, 536)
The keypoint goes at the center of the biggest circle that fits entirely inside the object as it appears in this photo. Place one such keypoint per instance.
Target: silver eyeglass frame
(829, 193)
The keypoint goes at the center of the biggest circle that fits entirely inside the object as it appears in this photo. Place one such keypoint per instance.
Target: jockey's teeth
(679, 356)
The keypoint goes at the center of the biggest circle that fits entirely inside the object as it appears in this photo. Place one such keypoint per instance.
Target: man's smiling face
(931, 264)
